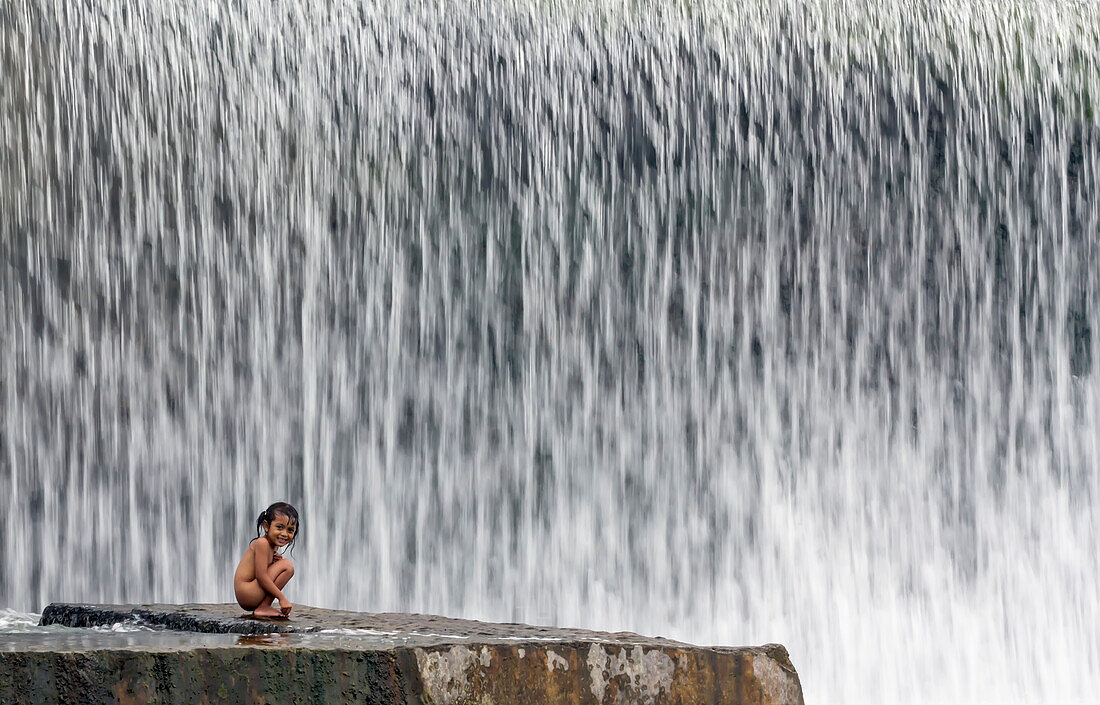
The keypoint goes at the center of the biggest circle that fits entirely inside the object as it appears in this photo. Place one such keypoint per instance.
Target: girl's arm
(263, 552)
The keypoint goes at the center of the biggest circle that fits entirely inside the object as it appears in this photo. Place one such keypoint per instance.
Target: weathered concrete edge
(232, 676)
(472, 662)
(605, 673)
(489, 674)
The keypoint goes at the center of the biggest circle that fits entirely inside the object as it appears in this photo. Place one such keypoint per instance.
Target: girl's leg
(280, 572)
(249, 594)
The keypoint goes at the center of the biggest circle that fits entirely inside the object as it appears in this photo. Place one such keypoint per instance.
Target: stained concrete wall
(445, 675)
(222, 675)
(411, 660)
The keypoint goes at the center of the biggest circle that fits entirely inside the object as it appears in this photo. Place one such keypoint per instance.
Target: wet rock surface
(231, 619)
(327, 656)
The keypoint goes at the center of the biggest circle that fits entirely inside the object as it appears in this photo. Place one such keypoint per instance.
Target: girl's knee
(285, 566)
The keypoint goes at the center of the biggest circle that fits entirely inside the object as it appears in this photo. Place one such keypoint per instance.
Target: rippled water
(13, 622)
(20, 631)
(731, 322)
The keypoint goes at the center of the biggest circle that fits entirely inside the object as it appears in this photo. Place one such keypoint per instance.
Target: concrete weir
(215, 654)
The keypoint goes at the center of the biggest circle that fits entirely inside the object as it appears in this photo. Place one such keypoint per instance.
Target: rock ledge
(383, 659)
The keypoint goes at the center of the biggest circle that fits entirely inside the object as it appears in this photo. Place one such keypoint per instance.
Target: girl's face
(280, 530)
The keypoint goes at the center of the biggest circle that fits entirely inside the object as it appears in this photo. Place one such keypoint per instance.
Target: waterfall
(728, 321)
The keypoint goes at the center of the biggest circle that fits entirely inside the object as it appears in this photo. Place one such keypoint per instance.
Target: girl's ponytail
(260, 523)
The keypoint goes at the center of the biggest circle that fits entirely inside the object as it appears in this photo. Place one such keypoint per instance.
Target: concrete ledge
(323, 656)
(202, 675)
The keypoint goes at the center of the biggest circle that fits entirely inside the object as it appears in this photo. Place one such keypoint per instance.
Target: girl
(263, 572)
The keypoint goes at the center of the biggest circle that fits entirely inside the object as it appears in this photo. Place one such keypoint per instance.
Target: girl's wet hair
(274, 510)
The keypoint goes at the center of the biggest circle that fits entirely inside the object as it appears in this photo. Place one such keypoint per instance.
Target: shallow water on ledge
(80, 639)
(21, 631)
(54, 638)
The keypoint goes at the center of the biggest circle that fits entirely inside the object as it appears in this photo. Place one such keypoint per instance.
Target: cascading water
(727, 321)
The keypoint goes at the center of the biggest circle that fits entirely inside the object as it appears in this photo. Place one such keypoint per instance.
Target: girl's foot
(268, 611)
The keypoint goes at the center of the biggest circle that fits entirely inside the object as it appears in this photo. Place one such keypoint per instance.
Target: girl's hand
(275, 557)
(285, 608)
